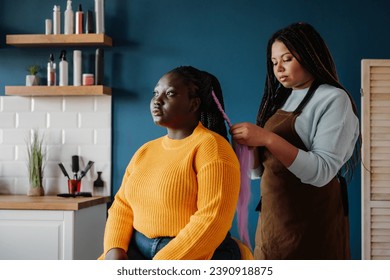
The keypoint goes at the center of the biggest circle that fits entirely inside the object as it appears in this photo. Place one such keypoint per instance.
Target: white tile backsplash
(47, 104)
(31, 120)
(58, 120)
(7, 153)
(79, 104)
(79, 136)
(74, 125)
(8, 120)
(16, 104)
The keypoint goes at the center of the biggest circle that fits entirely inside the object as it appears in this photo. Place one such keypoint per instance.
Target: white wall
(72, 125)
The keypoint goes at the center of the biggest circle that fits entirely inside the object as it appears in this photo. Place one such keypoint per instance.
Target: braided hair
(311, 51)
(201, 84)
(212, 115)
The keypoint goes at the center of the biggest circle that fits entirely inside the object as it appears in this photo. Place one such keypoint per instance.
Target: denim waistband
(149, 247)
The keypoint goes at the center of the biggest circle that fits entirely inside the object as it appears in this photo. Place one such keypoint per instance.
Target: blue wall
(225, 37)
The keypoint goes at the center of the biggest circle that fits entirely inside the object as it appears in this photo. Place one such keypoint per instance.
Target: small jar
(88, 79)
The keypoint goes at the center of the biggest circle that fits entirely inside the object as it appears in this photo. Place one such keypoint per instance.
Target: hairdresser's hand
(116, 254)
(249, 134)
(253, 135)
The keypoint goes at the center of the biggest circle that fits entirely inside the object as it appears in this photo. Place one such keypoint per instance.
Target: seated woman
(179, 192)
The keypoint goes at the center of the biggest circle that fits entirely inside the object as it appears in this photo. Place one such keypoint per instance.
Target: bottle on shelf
(69, 18)
(56, 19)
(89, 22)
(99, 66)
(63, 69)
(51, 71)
(77, 67)
(99, 16)
(80, 21)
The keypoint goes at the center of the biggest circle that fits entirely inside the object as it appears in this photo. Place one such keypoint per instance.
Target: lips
(156, 112)
(282, 78)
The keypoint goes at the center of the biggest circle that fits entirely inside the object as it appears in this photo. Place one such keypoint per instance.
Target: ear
(195, 104)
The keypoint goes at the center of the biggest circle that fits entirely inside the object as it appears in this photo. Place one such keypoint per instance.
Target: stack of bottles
(74, 24)
(86, 79)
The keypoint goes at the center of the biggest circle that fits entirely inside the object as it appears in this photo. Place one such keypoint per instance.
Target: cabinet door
(376, 159)
(29, 235)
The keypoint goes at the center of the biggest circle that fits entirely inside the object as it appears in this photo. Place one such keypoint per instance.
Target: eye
(170, 93)
(155, 94)
(287, 58)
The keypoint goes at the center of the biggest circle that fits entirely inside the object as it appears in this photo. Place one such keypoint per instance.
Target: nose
(279, 67)
(157, 100)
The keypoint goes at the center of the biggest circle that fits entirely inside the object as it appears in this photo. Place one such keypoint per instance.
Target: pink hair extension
(244, 156)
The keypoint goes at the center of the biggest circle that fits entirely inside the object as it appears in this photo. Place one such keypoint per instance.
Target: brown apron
(297, 220)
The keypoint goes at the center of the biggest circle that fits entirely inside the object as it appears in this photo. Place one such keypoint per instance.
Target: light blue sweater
(328, 128)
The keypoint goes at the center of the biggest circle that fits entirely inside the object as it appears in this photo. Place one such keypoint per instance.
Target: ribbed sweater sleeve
(186, 189)
(119, 225)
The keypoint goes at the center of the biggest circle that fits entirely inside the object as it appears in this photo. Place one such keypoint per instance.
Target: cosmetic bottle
(89, 23)
(77, 67)
(69, 19)
(99, 16)
(51, 71)
(79, 20)
(56, 20)
(99, 66)
(63, 69)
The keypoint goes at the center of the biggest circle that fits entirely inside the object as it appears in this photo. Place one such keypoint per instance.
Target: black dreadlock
(202, 83)
(308, 47)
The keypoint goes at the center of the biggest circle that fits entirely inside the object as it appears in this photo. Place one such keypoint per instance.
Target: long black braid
(309, 48)
(202, 83)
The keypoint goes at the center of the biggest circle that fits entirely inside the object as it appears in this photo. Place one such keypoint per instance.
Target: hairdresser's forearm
(284, 151)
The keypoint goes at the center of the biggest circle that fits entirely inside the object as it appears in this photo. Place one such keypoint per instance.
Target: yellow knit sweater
(184, 188)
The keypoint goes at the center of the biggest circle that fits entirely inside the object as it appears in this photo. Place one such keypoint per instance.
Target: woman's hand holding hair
(249, 134)
(252, 135)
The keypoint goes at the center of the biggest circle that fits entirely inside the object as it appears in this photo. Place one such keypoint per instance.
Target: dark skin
(173, 106)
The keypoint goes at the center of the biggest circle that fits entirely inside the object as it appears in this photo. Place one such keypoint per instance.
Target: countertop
(23, 202)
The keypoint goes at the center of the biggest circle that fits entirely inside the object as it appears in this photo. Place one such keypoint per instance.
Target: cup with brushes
(74, 184)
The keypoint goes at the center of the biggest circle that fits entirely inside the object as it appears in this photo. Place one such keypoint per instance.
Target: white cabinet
(52, 234)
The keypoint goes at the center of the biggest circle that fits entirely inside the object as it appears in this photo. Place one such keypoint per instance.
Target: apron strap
(307, 97)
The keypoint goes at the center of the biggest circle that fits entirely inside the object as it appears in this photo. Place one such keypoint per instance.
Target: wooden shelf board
(57, 90)
(22, 202)
(42, 40)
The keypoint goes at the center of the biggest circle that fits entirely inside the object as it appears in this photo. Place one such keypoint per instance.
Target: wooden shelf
(22, 202)
(42, 40)
(57, 90)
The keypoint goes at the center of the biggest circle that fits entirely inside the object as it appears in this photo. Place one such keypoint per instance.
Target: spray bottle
(69, 19)
(63, 65)
(51, 71)
(56, 20)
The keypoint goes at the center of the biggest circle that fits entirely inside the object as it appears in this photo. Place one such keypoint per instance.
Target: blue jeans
(144, 248)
